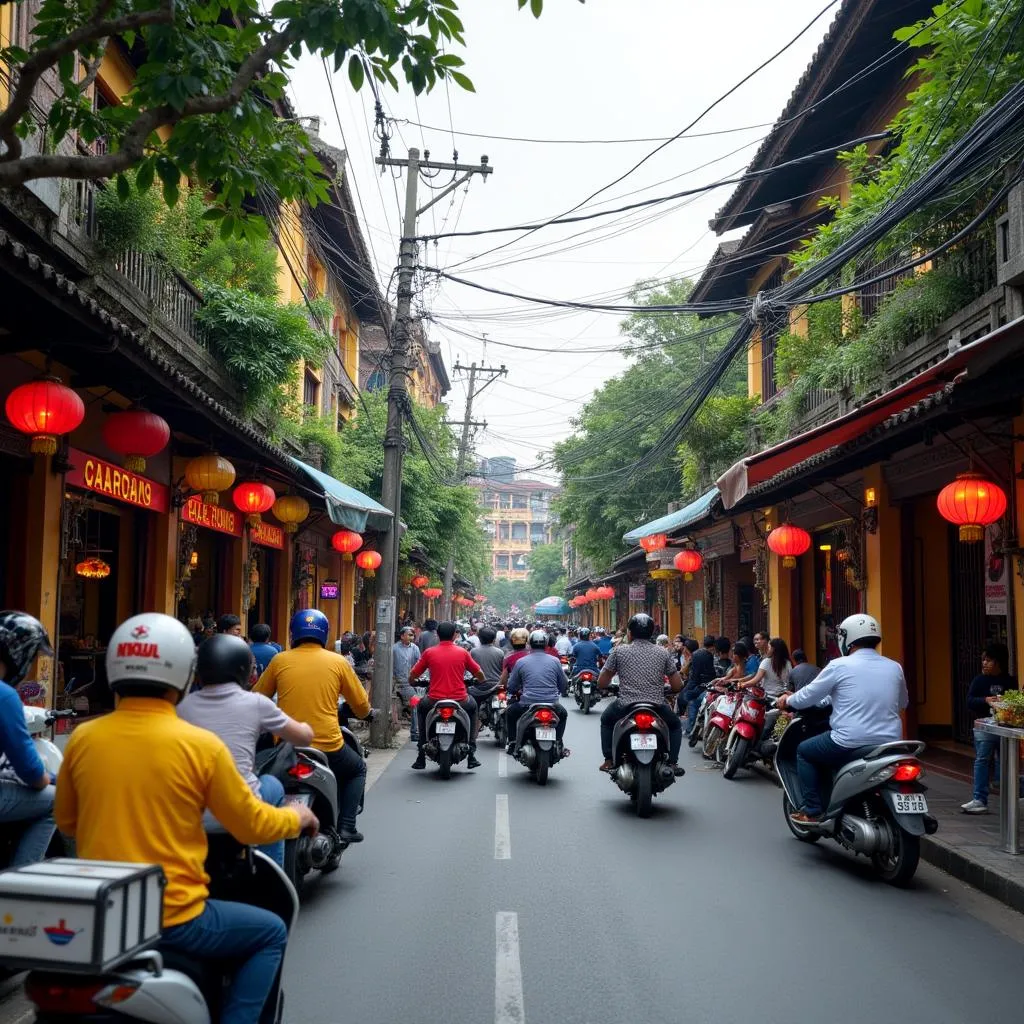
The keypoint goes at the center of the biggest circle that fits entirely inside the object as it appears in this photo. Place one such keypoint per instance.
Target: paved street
(572, 910)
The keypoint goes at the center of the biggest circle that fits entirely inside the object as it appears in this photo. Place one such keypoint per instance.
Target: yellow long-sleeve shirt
(133, 787)
(308, 681)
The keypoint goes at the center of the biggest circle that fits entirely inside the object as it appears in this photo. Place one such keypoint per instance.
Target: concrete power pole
(398, 410)
(467, 425)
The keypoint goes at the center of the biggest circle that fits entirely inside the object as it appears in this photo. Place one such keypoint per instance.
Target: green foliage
(322, 432)
(547, 576)
(716, 437)
(128, 220)
(215, 72)
(503, 593)
(260, 342)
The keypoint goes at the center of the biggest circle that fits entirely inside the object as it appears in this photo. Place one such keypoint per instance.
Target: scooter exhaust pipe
(624, 777)
(528, 755)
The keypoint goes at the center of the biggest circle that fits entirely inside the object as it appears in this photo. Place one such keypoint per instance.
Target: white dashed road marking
(508, 974)
(502, 832)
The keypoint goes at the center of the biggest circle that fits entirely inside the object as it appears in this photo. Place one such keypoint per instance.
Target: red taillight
(301, 770)
(501, 695)
(564, 660)
(446, 712)
(587, 677)
(63, 996)
(644, 720)
(414, 701)
(907, 772)
(545, 715)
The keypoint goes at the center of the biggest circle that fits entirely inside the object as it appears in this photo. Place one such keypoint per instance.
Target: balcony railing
(170, 294)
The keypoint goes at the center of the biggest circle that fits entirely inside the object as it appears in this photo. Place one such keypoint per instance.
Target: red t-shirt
(447, 664)
(509, 663)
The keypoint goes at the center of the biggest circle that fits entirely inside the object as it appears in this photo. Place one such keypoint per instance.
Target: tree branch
(45, 58)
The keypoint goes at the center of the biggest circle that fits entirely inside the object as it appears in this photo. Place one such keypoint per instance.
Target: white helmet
(855, 628)
(538, 639)
(154, 650)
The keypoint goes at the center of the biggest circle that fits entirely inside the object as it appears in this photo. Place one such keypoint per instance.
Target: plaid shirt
(641, 667)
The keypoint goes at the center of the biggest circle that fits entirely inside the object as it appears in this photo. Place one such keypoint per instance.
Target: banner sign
(213, 517)
(637, 592)
(329, 590)
(267, 534)
(102, 477)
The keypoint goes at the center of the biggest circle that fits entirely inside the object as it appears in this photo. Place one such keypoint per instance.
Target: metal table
(1009, 781)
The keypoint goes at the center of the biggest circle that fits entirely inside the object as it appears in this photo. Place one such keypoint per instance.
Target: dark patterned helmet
(22, 637)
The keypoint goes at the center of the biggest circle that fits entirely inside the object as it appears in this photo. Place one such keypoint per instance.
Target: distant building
(517, 516)
(428, 381)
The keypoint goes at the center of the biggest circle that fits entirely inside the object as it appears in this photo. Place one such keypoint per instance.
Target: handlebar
(52, 716)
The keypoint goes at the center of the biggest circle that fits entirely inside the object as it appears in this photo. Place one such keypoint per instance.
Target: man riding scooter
(133, 787)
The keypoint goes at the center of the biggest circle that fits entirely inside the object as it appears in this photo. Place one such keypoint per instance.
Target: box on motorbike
(78, 915)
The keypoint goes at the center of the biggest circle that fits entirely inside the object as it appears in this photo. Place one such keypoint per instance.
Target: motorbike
(875, 805)
(485, 694)
(718, 723)
(537, 747)
(169, 987)
(496, 714)
(583, 687)
(640, 756)
(707, 700)
(745, 732)
(448, 731)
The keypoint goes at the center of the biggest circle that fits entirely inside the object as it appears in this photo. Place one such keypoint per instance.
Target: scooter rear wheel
(898, 866)
(803, 834)
(644, 790)
(543, 764)
(586, 703)
(444, 763)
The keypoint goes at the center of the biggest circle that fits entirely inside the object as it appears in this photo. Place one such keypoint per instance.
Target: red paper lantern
(419, 581)
(591, 594)
(137, 435)
(46, 409)
(432, 592)
(369, 561)
(688, 562)
(605, 593)
(253, 498)
(971, 502)
(789, 542)
(346, 542)
(654, 542)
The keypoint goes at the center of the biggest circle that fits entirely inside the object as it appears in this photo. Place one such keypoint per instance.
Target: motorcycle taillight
(446, 712)
(301, 770)
(644, 720)
(64, 994)
(545, 715)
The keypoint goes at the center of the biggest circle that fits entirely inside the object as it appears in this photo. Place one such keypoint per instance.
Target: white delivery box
(79, 915)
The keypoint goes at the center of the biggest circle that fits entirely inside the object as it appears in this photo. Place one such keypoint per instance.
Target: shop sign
(267, 534)
(213, 517)
(93, 474)
(637, 592)
(329, 590)
(997, 587)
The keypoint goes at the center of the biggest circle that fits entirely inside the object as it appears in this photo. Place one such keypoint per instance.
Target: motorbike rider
(868, 692)
(563, 644)
(26, 789)
(133, 787)
(448, 664)
(223, 705)
(603, 641)
(586, 654)
(536, 679)
(519, 639)
(642, 667)
(308, 680)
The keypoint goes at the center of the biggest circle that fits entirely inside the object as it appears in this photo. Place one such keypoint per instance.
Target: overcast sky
(609, 69)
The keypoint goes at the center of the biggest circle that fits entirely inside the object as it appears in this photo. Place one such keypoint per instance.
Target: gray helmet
(584, 633)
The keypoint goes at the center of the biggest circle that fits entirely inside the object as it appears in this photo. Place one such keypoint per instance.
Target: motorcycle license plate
(495, 703)
(295, 799)
(586, 687)
(910, 803)
(643, 741)
(545, 735)
(445, 727)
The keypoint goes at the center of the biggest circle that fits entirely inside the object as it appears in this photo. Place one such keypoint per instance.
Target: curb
(963, 866)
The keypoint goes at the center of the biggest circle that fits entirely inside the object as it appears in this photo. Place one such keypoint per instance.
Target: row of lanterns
(604, 593)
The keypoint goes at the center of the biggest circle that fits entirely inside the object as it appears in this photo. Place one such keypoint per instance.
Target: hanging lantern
(291, 510)
(137, 435)
(654, 542)
(605, 593)
(789, 542)
(369, 561)
(419, 582)
(46, 409)
(432, 592)
(209, 475)
(93, 569)
(592, 594)
(346, 542)
(972, 503)
(479, 598)
(688, 562)
(253, 498)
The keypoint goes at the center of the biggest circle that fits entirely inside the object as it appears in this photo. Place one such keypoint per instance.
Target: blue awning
(345, 505)
(684, 517)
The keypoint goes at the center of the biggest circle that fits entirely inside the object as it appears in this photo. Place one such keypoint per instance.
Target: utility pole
(398, 410)
(467, 424)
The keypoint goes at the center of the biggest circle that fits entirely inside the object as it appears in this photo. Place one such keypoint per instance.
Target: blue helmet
(309, 624)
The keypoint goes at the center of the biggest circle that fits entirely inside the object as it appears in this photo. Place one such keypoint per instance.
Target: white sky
(609, 69)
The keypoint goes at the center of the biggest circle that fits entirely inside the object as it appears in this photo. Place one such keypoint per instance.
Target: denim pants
(272, 792)
(819, 752)
(616, 711)
(19, 803)
(350, 773)
(235, 931)
(692, 707)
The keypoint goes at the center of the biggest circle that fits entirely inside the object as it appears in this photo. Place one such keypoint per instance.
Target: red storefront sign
(213, 517)
(102, 477)
(267, 534)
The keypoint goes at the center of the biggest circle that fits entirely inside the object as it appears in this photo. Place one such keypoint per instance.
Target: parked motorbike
(745, 732)
(718, 723)
(171, 987)
(498, 707)
(640, 756)
(707, 700)
(583, 688)
(875, 805)
(537, 746)
(448, 730)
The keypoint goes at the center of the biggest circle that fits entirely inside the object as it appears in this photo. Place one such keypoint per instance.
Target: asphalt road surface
(487, 898)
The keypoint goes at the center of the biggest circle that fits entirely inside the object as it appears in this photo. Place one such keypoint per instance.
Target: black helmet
(22, 637)
(641, 627)
(224, 658)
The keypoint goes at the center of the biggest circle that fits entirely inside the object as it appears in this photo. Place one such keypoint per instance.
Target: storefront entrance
(836, 595)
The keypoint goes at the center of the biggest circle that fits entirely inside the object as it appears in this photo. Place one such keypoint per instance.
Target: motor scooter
(718, 724)
(745, 730)
(537, 747)
(640, 747)
(447, 733)
(583, 688)
(874, 805)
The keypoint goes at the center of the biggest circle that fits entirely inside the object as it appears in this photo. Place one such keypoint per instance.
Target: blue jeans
(235, 931)
(819, 752)
(272, 792)
(35, 806)
(692, 707)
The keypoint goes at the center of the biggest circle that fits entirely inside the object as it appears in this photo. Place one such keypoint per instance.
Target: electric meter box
(81, 916)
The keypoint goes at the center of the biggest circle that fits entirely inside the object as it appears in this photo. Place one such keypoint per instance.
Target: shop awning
(345, 505)
(677, 520)
(969, 360)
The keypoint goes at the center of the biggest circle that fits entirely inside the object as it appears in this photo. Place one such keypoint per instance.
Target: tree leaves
(356, 72)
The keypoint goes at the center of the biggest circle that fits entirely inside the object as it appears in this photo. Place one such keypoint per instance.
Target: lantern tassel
(253, 519)
(788, 562)
(43, 444)
(134, 463)
(971, 533)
